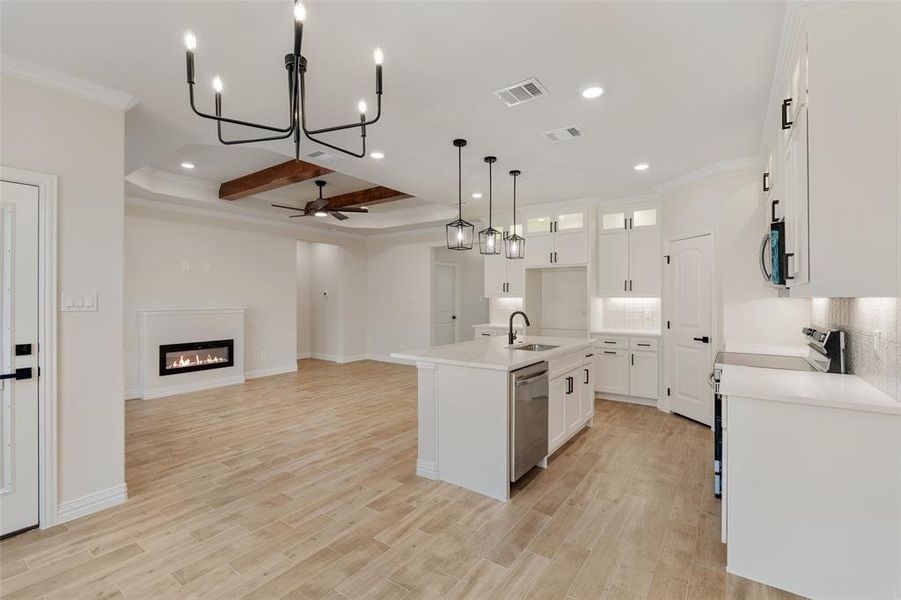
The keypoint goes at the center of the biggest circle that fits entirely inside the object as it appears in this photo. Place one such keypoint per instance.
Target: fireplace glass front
(196, 356)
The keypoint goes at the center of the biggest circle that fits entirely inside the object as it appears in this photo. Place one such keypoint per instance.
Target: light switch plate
(78, 302)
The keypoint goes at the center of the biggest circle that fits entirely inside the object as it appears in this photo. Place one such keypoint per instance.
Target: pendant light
(459, 232)
(490, 239)
(515, 244)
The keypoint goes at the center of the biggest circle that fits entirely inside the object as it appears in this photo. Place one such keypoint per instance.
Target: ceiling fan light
(320, 213)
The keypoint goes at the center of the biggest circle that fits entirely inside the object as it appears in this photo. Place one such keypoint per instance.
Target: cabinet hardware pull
(773, 210)
(625, 285)
(550, 257)
(630, 285)
(633, 359)
(586, 376)
(608, 342)
(786, 104)
(645, 345)
(609, 352)
(766, 181)
(788, 255)
(589, 355)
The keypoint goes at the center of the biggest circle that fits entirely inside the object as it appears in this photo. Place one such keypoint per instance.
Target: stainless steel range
(825, 354)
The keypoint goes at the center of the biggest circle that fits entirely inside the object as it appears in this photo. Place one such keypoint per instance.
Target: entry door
(18, 325)
(689, 278)
(445, 304)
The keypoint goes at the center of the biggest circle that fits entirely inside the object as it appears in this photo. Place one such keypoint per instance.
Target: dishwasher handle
(533, 379)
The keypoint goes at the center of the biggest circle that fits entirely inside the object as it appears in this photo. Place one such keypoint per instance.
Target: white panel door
(556, 431)
(538, 250)
(18, 325)
(613, 264)
(445, 304)
(613, 371)
(573, 401)
(571, 248)
(644, 262)
(643, 374)
(688, 361)
(495, 275)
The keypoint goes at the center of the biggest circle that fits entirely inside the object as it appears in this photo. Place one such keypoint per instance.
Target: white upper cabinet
(629, 252)
(556, 238)
(837, 161)
(504, 278)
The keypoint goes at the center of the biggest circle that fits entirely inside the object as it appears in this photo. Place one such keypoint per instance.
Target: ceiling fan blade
(288, 207)
(338, 215)
(306, 214)
(315, 205)
(355, 209)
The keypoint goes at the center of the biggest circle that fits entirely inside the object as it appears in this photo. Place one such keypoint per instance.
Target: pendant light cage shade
(491, 241)
(515, 246)
(459, 235)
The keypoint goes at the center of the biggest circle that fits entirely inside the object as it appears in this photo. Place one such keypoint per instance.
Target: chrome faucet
(510, 335)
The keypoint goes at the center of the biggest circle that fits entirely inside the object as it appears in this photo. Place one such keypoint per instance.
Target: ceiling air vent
(322, 157)
(522, 92)
(563, 134)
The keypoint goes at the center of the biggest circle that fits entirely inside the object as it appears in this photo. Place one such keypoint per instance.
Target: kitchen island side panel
(473, 429)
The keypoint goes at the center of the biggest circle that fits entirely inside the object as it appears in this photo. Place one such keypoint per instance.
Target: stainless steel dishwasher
(528, 440)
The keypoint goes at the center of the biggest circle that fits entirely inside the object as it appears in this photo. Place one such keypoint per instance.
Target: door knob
(453, 316)
(705, 339)
(21, 373)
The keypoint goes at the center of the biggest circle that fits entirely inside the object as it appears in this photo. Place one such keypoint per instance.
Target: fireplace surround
(196, 356)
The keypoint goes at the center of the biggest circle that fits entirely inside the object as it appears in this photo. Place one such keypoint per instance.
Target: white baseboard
(321, 356)
(350, 359)
(91, 503)
(388, 359)
(304, 355)
(627, 399)
(191, 387)
(133, 394)
(292, 368)
(427, 469)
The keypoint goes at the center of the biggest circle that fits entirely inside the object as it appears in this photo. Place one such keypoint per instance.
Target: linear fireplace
(196, 356)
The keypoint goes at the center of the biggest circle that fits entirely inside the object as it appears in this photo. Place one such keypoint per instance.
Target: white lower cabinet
(627, 366)
(613, 371)
(570, 403)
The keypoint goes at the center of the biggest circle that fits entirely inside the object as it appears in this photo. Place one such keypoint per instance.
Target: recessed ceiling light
(377, 155)
(641, 167)
(187, 165)
(592, 91)
(477, 195)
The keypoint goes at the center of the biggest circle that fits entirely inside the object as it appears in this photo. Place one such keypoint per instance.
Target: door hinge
(667, 391)
(667, 258)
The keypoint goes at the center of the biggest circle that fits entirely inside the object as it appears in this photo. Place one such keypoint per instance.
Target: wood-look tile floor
(303, 486)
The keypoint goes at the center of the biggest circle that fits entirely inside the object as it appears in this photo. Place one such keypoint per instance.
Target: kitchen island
(466, 393)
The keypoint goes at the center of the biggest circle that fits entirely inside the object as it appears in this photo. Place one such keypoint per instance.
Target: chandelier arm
(236, 121)
(286, 135)
(311, 134)
(339, 149)
(303, 113)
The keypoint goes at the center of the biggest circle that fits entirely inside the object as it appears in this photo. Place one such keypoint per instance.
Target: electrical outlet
(186, 265)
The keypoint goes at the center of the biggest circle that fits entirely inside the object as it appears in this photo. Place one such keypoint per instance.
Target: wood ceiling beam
(280, 175)
(367, 197)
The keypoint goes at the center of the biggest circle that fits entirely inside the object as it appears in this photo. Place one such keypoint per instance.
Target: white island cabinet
(465, 406)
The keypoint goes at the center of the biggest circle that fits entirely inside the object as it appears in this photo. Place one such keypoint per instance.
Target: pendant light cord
(514, 205)
(460, 182)
(490, 194)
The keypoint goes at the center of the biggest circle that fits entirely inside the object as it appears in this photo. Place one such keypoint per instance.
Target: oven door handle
(710, 380)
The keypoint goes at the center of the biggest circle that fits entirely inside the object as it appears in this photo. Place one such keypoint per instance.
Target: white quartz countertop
(802, 387)
(494, 353)
(647, 332)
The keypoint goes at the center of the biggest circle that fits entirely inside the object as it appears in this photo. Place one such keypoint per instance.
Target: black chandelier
(490, 239)
(459, 232)
(296, 65)
(515, 244)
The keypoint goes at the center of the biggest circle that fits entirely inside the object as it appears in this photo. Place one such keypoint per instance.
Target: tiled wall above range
(873, 328)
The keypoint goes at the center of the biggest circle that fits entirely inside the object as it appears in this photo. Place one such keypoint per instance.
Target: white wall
(304, 300)
(473, 305)
(228, 267)
(325, 294)
(81, 142)
(354, 292)
(730, 203)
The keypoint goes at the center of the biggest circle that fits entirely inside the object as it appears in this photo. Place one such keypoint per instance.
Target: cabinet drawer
(645, 343)
(484, 332)
(564, 364)
(611, 342)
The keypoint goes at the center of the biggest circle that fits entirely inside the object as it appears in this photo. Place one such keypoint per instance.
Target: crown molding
(41, 75)
(723, 166)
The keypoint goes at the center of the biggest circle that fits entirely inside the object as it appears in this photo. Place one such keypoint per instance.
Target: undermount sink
(534, 347)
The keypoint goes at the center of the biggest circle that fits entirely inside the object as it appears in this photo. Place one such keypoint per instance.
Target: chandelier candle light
(490, 239)
(296, 65)
(459, 232)
(515, 244)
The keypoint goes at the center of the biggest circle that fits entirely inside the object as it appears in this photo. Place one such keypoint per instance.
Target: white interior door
(445, 304)
(689, 280)
(18, 325)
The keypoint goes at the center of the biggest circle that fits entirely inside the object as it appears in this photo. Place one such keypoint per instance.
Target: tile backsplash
(873, 337)
(499, 309)
(625, 313)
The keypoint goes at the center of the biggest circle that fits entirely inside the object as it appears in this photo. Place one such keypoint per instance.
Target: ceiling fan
(320, 207)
